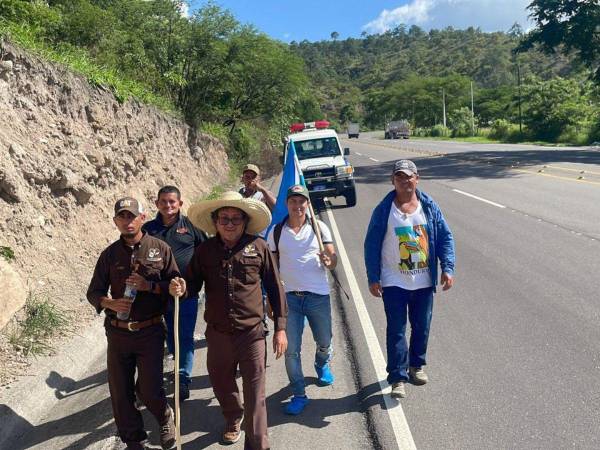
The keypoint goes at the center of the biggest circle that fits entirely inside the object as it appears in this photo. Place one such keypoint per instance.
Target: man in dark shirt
(183, 237)
(145, 264)
(232, 266)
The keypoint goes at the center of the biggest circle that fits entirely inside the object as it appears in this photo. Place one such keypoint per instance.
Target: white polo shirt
(299, 263)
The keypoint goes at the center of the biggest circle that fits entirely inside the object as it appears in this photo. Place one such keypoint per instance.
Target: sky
(315, 20)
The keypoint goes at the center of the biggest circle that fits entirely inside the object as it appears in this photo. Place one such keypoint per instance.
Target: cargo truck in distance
(353, 130)
(324, 165)
(397, 129)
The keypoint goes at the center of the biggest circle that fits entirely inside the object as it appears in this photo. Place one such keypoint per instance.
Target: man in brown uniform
(231, 266)
(146, 265)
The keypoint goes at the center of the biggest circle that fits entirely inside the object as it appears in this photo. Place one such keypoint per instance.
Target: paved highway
(514, 357)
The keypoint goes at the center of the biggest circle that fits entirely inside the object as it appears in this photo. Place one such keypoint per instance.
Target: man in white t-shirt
(253, 188)
(303, 269)
(407, 235)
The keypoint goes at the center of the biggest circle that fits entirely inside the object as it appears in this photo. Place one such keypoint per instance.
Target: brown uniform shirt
(232, 283)
(154, 261)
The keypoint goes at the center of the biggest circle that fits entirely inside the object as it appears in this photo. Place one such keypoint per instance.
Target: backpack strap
(277, 234)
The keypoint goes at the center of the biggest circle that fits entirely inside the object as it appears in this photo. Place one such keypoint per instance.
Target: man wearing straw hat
(135, 331)
(305, 250)
(231, 266)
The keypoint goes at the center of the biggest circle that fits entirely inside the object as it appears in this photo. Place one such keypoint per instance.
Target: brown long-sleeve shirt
(232, 283)
(153, 260)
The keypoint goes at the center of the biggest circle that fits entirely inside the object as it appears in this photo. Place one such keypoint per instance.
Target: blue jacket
(441, 242)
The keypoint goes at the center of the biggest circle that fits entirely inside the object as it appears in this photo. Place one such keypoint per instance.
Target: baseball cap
(129, 204)
(252, 167)
(406, 166)
(298, 189)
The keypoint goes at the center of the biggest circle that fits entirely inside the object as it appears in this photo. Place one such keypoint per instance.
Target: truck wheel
(350, 196)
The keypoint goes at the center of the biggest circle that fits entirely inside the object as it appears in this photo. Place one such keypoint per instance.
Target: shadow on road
(479, 164)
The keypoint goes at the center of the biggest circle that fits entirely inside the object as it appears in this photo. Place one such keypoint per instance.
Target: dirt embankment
(67, 152)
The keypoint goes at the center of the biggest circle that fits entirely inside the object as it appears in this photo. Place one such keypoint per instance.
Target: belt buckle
(132, 329)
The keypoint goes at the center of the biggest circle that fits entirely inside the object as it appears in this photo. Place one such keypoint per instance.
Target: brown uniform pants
(247, 349)
(128, 350)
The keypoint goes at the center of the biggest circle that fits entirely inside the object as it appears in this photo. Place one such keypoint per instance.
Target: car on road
(397, 129)
(326, 169)
(353, 130)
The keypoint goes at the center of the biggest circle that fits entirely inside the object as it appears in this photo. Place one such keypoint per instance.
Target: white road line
(359, 154)
(479, 198)
(402, 432)
(373, 159)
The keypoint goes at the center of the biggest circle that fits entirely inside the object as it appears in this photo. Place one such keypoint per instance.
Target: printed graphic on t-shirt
(414, 249)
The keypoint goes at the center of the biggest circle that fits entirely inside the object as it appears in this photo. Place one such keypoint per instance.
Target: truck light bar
(318, 124)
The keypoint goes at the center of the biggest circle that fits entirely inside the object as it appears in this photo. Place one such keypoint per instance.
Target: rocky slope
(67, 152)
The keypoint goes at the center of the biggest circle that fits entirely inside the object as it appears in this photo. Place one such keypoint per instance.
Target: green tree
(552, 107)
(567, 26)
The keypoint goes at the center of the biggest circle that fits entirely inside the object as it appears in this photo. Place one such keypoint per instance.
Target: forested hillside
(235, 82)
(226, 78)
(401, 74)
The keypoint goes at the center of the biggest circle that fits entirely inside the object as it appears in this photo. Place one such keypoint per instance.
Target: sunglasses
(223, 220)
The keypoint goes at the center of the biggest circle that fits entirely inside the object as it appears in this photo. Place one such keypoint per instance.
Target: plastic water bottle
(130, 293)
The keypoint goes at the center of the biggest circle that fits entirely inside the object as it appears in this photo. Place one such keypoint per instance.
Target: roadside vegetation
(35, 325)
(231, 80)
(219, 75)
(538, 86)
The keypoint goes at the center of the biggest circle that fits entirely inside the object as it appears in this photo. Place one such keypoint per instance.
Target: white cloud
(185, 10)
(416, 12)
(489, 15)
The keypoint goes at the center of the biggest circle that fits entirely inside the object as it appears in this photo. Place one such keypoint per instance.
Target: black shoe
(184, 392)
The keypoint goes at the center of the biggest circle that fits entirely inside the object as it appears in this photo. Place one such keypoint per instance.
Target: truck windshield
(315, 148)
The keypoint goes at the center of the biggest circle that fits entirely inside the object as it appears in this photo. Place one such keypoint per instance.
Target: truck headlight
(344, 170)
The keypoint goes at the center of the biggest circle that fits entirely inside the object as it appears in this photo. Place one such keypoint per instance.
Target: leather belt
(135, 326)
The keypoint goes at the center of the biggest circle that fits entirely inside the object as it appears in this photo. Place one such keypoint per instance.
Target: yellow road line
(573, 170)
(556, 176)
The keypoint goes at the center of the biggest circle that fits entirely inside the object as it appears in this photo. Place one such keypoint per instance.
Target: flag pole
(316, 227)
(176, 370)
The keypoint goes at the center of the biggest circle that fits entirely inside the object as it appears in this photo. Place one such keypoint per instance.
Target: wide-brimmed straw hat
(258, 213)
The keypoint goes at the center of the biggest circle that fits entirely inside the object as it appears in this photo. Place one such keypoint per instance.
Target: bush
(42, 320)
(438, 131)
(7, 253)
(500, 129)
(460, 122)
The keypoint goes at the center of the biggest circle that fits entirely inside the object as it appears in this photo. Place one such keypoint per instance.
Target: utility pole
(520, 113)
(472, 112)
(444, 106)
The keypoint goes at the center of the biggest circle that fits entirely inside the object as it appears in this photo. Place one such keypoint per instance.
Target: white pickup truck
(325, 167)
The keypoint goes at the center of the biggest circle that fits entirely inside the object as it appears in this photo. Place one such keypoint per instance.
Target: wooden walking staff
(316, 227)
(176, 336)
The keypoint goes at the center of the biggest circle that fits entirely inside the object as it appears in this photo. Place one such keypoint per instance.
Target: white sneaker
(417, 376)
(398, 390)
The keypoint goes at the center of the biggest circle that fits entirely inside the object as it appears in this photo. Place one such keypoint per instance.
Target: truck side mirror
(346, 151)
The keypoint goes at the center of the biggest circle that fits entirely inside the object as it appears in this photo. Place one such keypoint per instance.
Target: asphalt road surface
(514, 354)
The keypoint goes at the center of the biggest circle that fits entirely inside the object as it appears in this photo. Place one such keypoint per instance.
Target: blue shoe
(296, 405)
(325, 375)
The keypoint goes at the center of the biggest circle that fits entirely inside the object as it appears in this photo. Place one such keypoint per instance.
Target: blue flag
(291, 175)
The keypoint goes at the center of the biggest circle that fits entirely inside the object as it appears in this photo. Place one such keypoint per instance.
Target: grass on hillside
(41, 320)
(79, 61)
(7, 253)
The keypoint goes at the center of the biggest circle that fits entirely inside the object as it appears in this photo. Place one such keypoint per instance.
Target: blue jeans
(317, 309)
(188, 311)
(419, 303)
